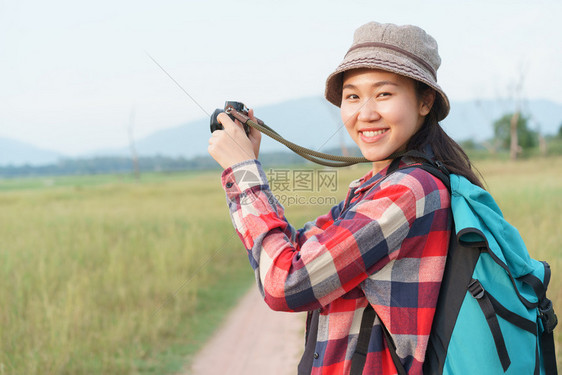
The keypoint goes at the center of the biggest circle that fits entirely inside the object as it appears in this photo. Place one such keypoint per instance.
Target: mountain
(310, 122)
(14, 152)
(314, 123)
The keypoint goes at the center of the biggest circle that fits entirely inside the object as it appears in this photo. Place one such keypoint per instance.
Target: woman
(385, 245)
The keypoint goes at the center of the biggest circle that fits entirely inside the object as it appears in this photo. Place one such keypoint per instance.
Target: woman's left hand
(230, 145)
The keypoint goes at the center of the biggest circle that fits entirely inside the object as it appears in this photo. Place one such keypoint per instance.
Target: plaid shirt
(386, 245)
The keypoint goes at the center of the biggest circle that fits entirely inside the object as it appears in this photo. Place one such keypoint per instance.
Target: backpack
(492, 315)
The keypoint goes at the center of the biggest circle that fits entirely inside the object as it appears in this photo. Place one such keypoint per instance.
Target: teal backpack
(492, 315)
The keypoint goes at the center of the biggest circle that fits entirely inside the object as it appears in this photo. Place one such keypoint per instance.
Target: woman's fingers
(230, 145)
(255, 134)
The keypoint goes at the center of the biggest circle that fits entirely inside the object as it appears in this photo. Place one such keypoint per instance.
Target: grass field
(107, 275)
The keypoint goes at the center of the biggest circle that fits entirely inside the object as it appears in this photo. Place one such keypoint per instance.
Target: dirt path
(254, 340)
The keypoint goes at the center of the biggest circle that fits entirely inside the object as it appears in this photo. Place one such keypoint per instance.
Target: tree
(526, 137)
(134, 156)
(515, 146)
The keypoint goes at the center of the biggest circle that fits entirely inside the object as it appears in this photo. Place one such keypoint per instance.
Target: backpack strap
(461, 260)
(360, 355)
(549, 321)
(361, 349)
(547, 346)
(430, 165)
(478, 292)
(311, 338)
(392, 349)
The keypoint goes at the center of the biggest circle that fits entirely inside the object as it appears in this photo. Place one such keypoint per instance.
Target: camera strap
(314, 156)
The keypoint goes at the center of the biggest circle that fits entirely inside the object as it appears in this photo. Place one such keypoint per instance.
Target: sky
(75, 76)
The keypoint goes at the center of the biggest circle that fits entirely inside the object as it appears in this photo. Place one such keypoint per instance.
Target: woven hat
(406, 50)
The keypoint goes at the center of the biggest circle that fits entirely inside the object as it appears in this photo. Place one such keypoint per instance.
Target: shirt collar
(369, 180)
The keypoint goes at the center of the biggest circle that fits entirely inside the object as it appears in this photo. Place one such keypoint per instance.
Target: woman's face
(381, 112)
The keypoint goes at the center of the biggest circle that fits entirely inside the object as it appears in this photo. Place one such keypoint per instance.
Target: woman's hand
(230, 145)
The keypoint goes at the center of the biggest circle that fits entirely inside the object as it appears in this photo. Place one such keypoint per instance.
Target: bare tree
(134, 156)
(514, 147)
(543, 146)
(517, 92)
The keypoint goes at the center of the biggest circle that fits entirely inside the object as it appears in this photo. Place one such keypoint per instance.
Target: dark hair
(444, 148)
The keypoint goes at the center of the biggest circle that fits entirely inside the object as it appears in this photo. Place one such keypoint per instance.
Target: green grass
(108, 275)
(105, 278)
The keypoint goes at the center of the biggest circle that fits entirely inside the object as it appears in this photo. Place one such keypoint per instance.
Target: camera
(237, 106)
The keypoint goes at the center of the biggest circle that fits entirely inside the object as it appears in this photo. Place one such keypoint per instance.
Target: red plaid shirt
(386, 245)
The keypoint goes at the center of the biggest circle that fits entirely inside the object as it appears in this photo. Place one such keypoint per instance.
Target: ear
(427, 101)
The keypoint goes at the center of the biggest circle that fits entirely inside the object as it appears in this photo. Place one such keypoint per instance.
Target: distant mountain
(14, 152)
(311, 122)
(314, 123)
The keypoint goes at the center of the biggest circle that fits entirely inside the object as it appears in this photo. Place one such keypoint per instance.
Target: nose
(368, 111)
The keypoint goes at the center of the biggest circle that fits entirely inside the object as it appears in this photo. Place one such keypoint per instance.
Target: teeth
(372, 133)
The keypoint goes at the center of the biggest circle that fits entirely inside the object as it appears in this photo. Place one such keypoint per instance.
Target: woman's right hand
(230, 145)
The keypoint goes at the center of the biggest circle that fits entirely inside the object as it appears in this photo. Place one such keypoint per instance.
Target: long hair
(444, 148)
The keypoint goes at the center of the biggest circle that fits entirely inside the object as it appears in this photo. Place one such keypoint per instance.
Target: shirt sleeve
(306, 269)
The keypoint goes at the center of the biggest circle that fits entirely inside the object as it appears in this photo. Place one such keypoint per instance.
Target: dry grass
(117, 278)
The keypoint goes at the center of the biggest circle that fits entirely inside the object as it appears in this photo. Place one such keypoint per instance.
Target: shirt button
(316, 355)
(229, 184)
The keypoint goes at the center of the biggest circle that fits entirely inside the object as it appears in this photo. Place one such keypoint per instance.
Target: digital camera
(237, 106)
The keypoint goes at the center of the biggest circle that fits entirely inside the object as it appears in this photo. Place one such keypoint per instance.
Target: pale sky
(71, 71)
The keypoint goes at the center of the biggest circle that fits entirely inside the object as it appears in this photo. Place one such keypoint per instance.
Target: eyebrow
(374, 85)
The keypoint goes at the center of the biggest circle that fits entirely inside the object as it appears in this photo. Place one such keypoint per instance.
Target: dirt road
(254, 340)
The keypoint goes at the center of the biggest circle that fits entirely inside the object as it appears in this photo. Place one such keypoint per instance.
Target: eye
(351, 97)
(383, 94)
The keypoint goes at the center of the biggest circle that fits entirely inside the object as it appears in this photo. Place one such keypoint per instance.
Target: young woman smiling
(381, 112)
(385, 245)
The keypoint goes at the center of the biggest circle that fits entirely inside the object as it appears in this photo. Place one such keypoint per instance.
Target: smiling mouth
(373, 133)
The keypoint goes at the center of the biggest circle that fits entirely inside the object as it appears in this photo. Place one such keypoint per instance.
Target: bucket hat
(406, 50)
